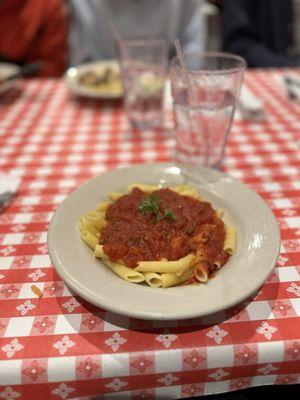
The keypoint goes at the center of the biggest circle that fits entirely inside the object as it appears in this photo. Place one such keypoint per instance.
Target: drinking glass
(143, 66)
(205, 93)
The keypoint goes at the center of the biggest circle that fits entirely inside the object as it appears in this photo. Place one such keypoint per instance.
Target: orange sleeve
(50, 44)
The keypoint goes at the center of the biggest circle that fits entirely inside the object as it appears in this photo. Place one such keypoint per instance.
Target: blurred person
(265, 32)
(32, 30)
(91, 36)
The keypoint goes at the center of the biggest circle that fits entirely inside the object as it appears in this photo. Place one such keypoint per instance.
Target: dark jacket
(260, 31)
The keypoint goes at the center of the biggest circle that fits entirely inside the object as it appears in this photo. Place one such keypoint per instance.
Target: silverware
(292, 85)
(28, 69)
(5, 199)
(290, 80)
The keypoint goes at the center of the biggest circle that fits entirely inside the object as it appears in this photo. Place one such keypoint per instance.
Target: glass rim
(211, 54)
(142, 41)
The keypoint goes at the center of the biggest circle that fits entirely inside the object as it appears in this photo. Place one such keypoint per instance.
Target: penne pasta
(128, 274)
(186, 190)
(219, 212)
(144, 188)
(230, 240)
(103, 206)
(191, 193)
(85, 224)
(115, 195)
(171, 279)
(187, 266)
(90, 239)
(181, 188)
(165, 266)
(153, 279)
(99, 253)
(97, 218)
(201, 272)
(217, 264)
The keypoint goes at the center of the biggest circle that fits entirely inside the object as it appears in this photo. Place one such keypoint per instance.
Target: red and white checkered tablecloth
(60, 347)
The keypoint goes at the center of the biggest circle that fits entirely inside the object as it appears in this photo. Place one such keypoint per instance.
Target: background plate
(71, 79)
(7, 70)
(258, 246)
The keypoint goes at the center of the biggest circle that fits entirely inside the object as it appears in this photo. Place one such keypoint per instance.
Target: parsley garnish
(169, 214)
(150, 204)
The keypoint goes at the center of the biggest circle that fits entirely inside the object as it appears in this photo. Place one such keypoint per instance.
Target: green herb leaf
(169, 214)
(150, 204)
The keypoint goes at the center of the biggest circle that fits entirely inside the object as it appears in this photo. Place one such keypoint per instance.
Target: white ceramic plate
(72, 74)
(7, 70)
(257, 246)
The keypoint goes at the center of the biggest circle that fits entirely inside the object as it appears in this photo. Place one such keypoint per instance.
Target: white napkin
(8, 187)
(251, 107)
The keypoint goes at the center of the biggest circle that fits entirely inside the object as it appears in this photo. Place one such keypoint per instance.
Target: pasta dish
(105, 79)
(160, 236)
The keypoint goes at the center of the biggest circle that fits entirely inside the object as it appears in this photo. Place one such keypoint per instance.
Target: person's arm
(240, 37)
(50, 46)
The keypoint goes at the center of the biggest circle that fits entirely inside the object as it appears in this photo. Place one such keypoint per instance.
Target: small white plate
(7, 70)
(258, 246)
(73, 73)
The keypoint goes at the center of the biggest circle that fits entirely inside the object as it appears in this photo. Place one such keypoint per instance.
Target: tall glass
(204, 97)
(144, 66)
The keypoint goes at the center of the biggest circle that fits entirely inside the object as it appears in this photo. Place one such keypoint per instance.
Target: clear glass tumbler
(204, 98)
(143, 67)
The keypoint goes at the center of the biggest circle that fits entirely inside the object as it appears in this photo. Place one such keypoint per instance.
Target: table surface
(58, 346)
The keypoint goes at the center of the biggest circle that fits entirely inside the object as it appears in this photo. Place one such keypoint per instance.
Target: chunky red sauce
(133, 236)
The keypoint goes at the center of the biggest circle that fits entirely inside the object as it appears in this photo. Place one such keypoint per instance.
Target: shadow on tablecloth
(95, 104)
(10, 96)
(234, 314)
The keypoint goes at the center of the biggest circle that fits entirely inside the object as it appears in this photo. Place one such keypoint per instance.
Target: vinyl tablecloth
(59, 346)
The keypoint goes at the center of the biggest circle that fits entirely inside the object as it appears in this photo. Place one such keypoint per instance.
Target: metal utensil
(5, 199)
(292, 85)
(28, 69)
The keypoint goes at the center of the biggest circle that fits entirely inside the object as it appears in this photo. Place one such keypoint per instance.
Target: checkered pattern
(60, 347)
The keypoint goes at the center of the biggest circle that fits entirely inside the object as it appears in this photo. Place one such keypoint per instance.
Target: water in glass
(202, 128)
(144, 85)
(205, 93)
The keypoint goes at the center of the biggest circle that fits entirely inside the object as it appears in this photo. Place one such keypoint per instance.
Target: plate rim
(153, 315)
(14, 68)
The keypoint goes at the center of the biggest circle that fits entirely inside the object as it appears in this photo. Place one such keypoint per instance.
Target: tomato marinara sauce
(175, 226)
